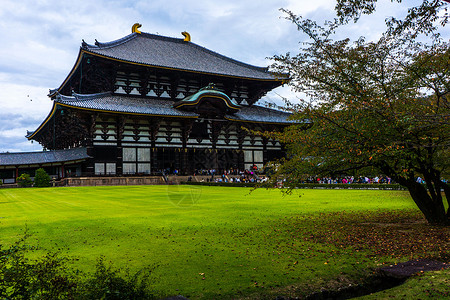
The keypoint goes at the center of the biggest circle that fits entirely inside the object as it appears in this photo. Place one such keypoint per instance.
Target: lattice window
(136, 161)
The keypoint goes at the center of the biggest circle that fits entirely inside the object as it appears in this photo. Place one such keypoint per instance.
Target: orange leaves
(389, 233)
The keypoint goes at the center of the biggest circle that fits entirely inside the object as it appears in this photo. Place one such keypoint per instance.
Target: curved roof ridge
(91, 96)
(100, 45)
(151, 43)
(81, 97)
(162, 37)
(105, 45)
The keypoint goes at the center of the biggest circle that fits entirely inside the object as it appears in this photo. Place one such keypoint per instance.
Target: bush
(108, 283)
(41, 179)
(24, 180)
(45, 278)
(50, 277)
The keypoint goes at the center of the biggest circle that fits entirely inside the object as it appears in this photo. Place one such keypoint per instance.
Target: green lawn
(214, 242)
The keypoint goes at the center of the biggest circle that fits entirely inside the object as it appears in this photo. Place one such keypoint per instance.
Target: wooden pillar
(265, 141)
(186, 131)
(185, 164)
(120, 128)
(241, 133)
(17, 173)
(154, 160)
(214, 158)
(177, 154)
(154, 124)
(215, 132)
(90, 145)
(241, 164)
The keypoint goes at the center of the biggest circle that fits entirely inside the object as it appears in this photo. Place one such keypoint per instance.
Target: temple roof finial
(187, 36)
(135, 27)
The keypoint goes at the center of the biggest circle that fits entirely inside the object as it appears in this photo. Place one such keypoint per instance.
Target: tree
(41, 178)
(381, 104)
(24, 180)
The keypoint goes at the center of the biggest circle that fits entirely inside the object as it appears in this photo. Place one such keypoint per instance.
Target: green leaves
(381, 104)
(42, 179)
(24, 180)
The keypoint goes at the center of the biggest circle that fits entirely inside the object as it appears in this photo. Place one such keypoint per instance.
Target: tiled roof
(173, 53)
(260, 114)
(147, 106)
(43, 157)
(125, 104)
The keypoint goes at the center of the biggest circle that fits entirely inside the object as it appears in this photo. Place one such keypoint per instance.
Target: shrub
(49, 277)
(45, 278)
(41, 179)
(24, 180)
(108, 283)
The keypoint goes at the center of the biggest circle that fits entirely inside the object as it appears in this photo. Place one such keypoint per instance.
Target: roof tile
(167, 52)
(42, 157)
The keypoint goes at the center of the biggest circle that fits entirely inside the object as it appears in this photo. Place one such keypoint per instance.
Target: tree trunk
(446, 189)
(432, 207)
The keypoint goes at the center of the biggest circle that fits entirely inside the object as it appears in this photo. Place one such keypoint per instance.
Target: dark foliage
(41, 179)
(50, 277)
(108, 283)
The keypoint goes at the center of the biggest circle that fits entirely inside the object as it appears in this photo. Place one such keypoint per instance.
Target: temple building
(146, 103)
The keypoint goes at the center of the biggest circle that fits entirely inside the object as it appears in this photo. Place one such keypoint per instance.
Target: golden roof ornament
(135, 27)
(187, 36)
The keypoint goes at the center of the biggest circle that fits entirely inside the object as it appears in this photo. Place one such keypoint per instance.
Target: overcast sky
(41, 38)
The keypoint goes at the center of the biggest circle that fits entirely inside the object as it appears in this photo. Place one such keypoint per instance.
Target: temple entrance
(187, 161)
(218, 159)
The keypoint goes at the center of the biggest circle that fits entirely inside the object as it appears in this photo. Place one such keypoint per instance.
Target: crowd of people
(254, 175)
(349, 180)
(231, 176)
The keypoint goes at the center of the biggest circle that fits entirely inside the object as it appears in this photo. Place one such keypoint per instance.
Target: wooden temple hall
(147, 103)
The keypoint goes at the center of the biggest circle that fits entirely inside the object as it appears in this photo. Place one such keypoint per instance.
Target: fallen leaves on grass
(382, 233)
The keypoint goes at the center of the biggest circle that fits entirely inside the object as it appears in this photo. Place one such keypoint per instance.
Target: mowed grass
(203, 242)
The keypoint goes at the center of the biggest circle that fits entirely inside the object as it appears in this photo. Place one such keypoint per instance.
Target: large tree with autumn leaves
(380, 105)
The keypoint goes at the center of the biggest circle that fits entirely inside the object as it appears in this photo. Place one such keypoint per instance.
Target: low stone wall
(100, 181)
(6, 186)
(175, 179)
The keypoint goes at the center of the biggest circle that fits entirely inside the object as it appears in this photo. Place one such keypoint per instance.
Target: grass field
(213, 242)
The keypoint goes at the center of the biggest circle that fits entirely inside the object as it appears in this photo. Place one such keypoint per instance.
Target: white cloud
(306, 7)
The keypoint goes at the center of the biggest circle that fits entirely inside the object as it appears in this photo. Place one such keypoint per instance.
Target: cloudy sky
(41, 39)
